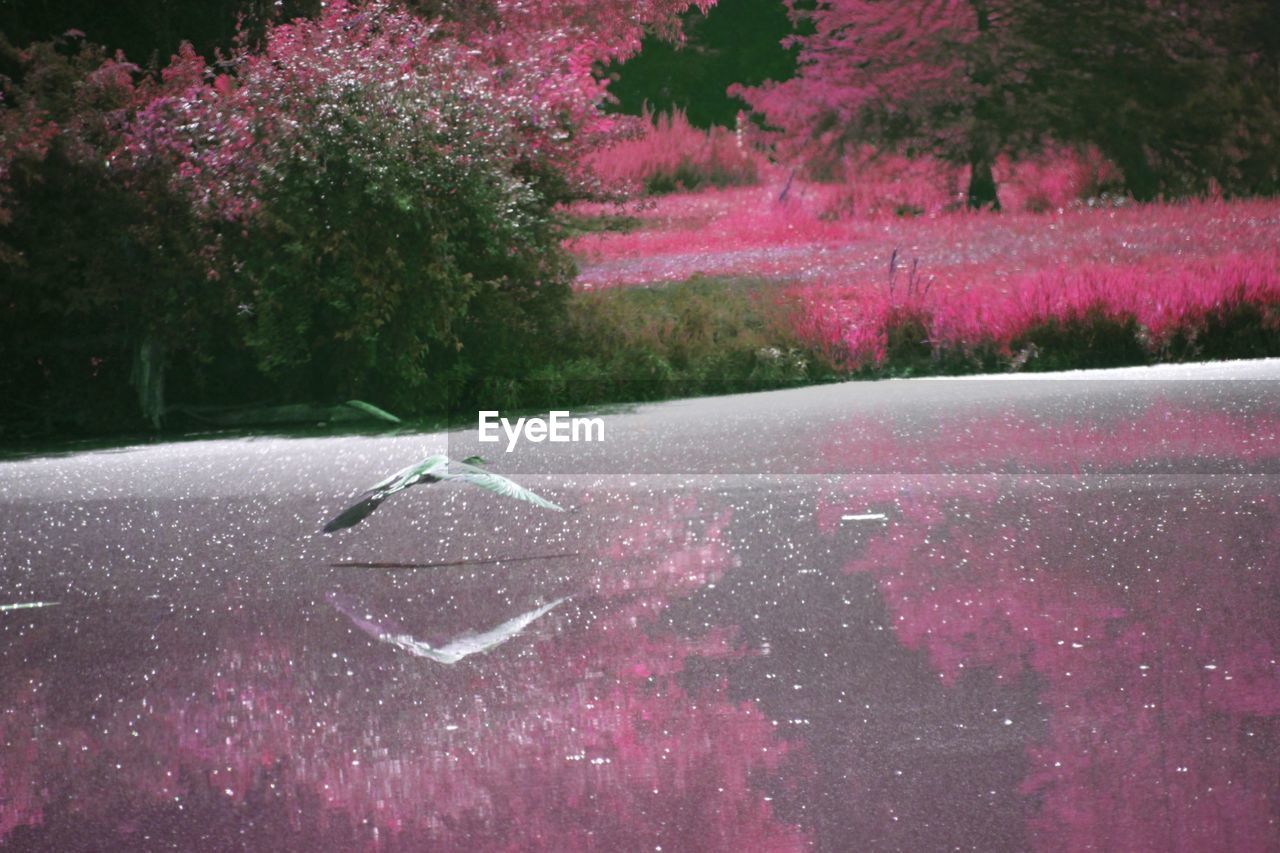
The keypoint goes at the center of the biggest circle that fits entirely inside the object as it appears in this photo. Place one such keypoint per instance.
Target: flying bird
(433, 469)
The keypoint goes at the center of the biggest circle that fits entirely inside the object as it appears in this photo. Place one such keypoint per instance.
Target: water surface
(901, 616)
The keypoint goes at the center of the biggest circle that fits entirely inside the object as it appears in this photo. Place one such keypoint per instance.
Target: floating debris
(372, 410)
(27, 605)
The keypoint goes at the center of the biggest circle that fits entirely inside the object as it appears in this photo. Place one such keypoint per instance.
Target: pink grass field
(671, 150)
(981, 278)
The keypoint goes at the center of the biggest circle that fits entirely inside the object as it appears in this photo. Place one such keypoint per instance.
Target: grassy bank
(1086, 285)
(709, 336)
(735, 334)
(693, 338)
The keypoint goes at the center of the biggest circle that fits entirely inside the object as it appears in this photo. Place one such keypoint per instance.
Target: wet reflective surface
(910, 615)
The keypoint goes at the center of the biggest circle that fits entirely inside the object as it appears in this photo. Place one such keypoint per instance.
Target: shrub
(1095, 337)
(872, 184)
(371, 191)
(1092, 316)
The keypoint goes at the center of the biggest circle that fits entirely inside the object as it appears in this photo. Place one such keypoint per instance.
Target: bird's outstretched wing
(377, 493)
(356, 513)
(405, 476)
(432, 470)
(382, 484)
(499, 484)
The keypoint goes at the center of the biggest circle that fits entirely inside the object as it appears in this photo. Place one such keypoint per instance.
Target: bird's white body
(434, 469)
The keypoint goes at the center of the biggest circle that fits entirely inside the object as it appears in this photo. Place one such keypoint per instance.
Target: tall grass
(698, 337)
(1078, 286)
(1091, 316)
(671, 155)
(868, 184)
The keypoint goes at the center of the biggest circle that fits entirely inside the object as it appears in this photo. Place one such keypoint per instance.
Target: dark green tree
(1180, 95)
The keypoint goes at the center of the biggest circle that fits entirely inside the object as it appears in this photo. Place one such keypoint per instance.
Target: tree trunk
(1140, 178)
(148, 378)
(982, 184)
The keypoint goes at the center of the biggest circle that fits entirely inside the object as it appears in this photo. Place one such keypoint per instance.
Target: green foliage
(92, 267)
(1094, 338)
(389, 220)
(1090, 340)
(702, 336)
(738, 42)
(372, 278)
(322, 226)
(1181, 96)
(1244, 330)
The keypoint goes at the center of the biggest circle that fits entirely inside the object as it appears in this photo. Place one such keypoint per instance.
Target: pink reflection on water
(580, 734)
(1147, 609)
(1085, 576)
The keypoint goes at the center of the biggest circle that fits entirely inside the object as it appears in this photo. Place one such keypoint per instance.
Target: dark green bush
(1090, 340)
(1245, 330)
(402, 234)
(95, 265)
(321, 227)
(703, 336)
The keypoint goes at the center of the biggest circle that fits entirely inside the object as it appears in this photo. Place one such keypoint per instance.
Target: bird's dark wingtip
(354, 514)
(333, 527)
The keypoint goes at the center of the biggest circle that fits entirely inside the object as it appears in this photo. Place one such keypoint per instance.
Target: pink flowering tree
(930, 77)
(552, 53)
(1180, 95)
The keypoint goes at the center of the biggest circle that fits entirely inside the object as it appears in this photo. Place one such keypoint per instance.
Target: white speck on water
(24, 605)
